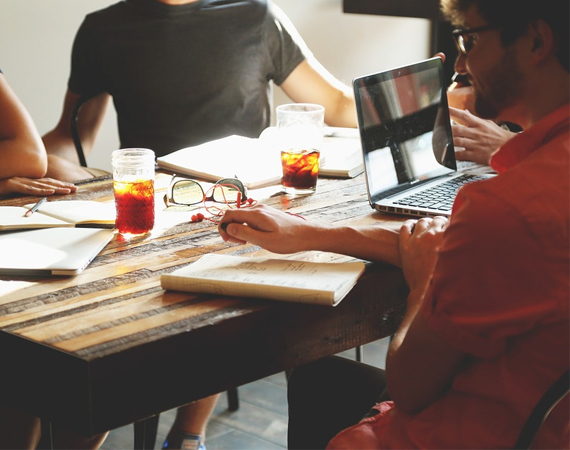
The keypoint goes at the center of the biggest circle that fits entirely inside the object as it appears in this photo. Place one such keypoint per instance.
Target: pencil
(34, 208)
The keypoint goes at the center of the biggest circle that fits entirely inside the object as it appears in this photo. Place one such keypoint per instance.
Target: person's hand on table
(419, 243)
(271, 229)
(478, 137)
(35, 186)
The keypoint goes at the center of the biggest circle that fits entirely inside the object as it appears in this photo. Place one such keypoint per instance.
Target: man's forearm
(371, 243)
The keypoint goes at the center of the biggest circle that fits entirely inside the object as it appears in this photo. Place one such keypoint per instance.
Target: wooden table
(108, 347)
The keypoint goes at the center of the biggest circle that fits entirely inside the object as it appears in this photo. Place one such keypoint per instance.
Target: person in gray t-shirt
(184, 74)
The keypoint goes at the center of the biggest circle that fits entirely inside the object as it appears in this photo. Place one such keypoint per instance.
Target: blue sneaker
(184, 441)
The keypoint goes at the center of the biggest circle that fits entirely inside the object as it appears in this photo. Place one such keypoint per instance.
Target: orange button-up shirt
(500, 293)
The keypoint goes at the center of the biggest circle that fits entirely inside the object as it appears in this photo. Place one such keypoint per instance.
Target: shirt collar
(522, 145)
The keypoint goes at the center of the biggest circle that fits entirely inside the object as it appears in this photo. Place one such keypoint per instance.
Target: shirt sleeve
(493, 279)
(85, 78)
(286, 47)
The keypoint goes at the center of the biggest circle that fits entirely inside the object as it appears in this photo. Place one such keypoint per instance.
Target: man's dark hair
(512, 17)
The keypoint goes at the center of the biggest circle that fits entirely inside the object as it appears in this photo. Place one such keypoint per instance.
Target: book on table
(341, 153)
(257, 162)
(246, 159)
(64, 213)
(275, 279)
(51, 251)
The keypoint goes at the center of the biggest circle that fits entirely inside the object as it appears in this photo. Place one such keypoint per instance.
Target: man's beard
(502, 88)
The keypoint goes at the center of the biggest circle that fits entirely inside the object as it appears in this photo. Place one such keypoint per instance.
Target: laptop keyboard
(439, 197)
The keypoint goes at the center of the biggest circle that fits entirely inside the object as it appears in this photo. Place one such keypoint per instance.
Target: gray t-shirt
(183, 75)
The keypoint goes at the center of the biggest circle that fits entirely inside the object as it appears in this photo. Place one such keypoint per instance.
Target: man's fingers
(408, 226)
(416, 227)
(463, 132)
(439, 222)
(407, 230)
(465, 155)
(242, 233)
(231, 231)
(458, 115)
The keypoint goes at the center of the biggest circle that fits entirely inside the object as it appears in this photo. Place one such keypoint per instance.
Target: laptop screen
(404, 125)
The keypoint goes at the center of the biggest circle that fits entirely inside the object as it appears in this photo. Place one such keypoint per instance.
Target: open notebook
(63, 213)
(51, 251)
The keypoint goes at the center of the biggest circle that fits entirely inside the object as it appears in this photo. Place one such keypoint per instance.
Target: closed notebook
(275, 279)
(341, 153)
(51, 251)
(65, 213)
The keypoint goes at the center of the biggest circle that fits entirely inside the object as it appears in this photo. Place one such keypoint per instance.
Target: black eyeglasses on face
(465, 38)
(189, 192)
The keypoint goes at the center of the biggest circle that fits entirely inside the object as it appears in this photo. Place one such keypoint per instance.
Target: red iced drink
(300, 169)
(135, 206)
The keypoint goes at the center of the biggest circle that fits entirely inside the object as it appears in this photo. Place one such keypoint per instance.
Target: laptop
(51, 251)
(407, 145)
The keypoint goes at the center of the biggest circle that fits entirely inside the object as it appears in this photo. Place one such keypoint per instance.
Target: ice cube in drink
(135, 206)
(300, 170)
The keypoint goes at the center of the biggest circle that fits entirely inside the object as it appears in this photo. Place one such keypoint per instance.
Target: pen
(34, 208)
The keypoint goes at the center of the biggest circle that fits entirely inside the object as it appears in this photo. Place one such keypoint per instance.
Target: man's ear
(542, 41)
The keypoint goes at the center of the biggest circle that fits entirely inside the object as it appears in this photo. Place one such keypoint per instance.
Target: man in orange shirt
(486, 330)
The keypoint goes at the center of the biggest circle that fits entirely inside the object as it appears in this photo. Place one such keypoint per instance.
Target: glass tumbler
(299, 138)
(133, 184)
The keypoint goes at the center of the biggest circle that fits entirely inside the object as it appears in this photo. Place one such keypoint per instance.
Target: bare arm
(419, 365)
(21, 149)
(35, 186)
(310, 82)
(59, 141)
(280, 232)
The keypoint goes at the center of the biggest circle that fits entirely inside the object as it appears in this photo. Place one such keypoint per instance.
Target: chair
(75, 131)
(540, 412)
(145, 430)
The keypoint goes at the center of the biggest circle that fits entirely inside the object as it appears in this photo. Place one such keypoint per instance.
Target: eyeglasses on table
(184, 192)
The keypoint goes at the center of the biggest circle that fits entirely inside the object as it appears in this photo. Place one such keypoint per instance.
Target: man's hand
(419, 242)
(267, 227)
(282, 232)
(479, 137)
(35, 186)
